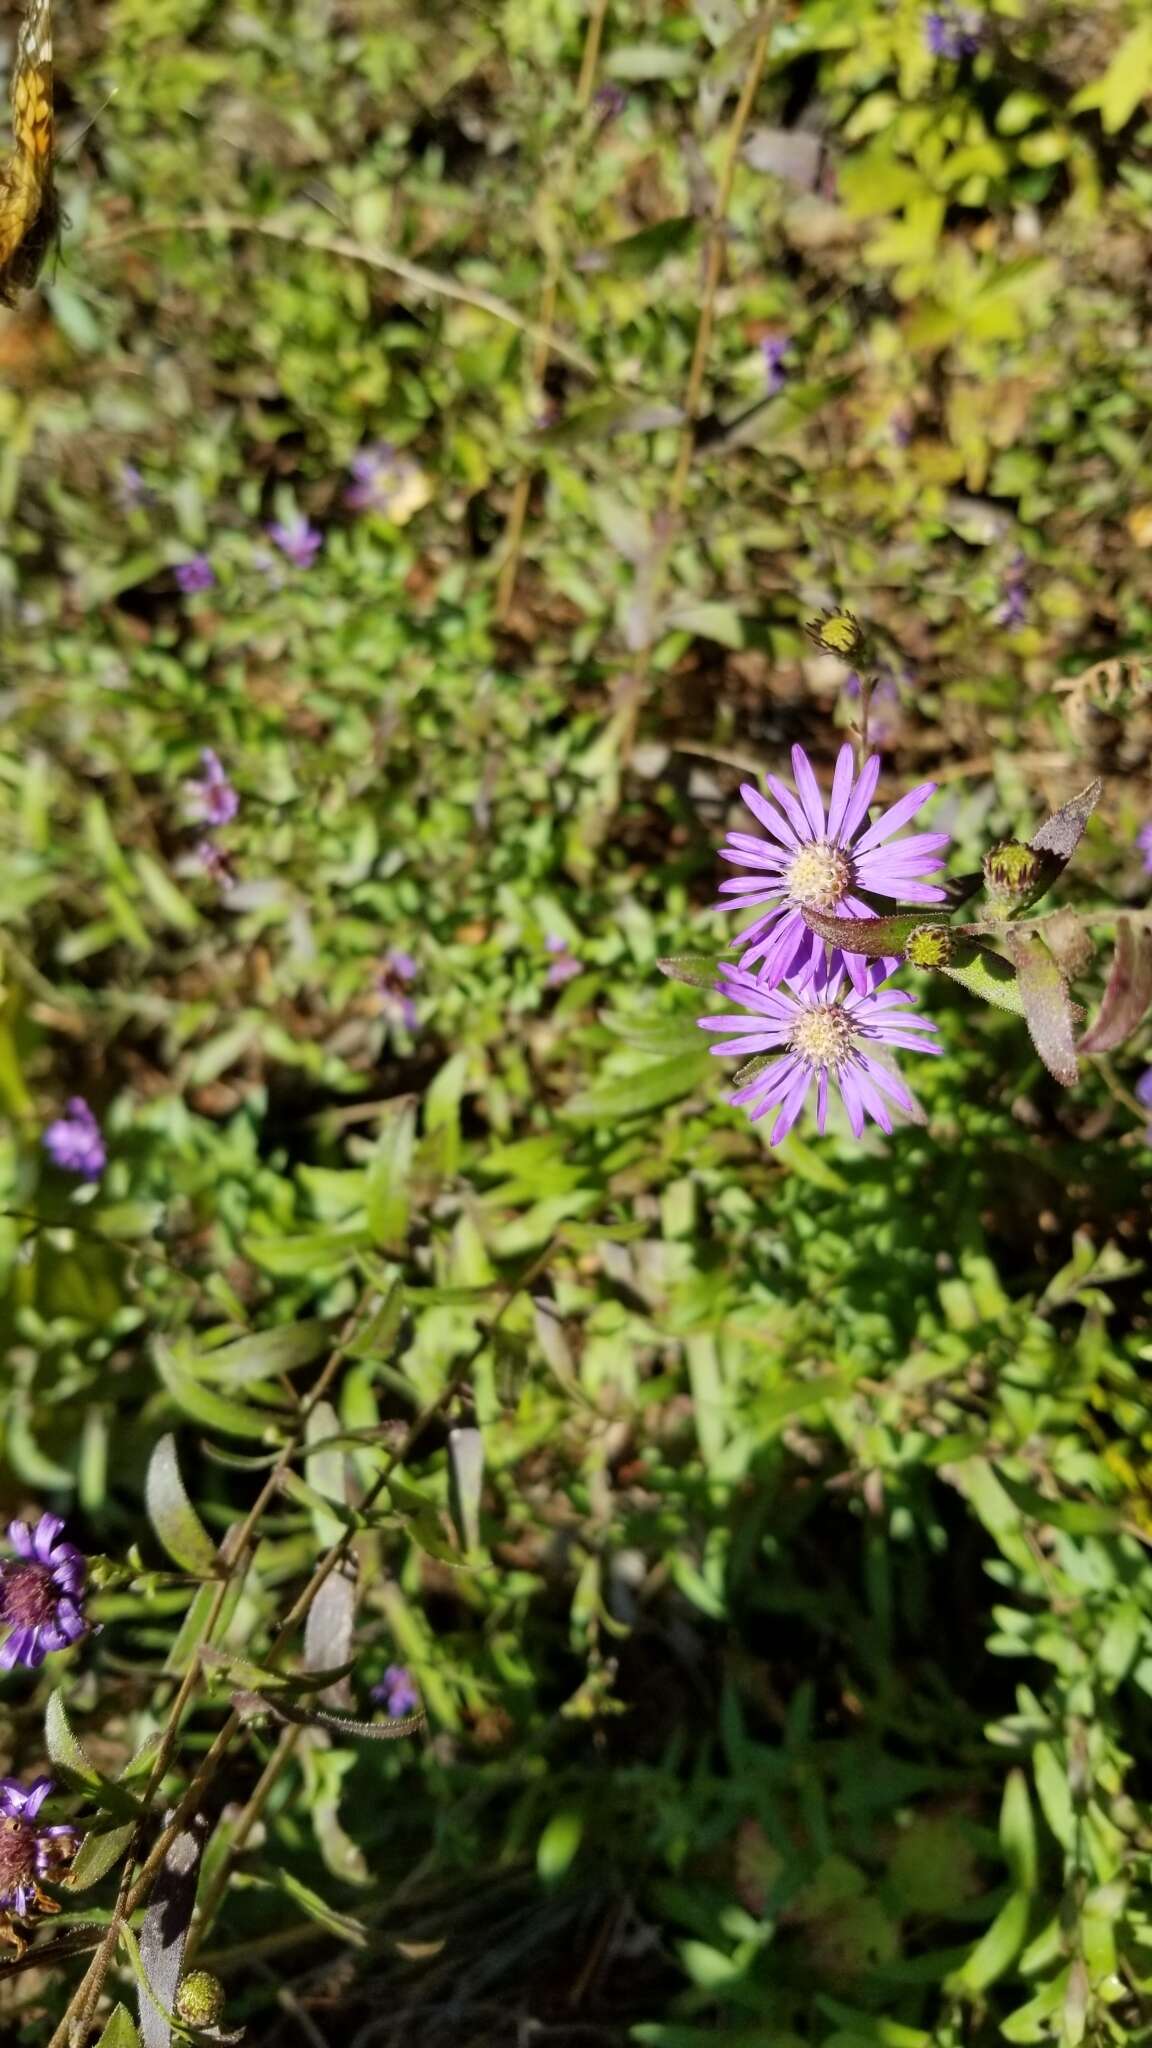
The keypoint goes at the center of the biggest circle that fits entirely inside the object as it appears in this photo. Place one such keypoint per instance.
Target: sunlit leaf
(173, 1516)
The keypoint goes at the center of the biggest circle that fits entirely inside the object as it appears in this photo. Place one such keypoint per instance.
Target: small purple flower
(195, 574)
(1144, 1088)
(397, 970)
(298, 539)
(1144, 842)
(952, 33)
(821, 1033)
(883, 707)
(74, 1142)
(1012, 611)
(564, 964)
(214, 862)
(774, 348)
(369, 469)
(396, 1692)
(212, 799)
(609, 100)
(41, 1593)
(134, 491)
(814, 861)
(29, 1854)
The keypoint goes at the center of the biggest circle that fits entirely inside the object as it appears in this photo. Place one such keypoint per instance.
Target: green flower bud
(200, 1998)
(838, 633)
(930, 945)
(1012, 871)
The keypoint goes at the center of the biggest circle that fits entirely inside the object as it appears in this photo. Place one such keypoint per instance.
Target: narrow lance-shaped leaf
(120, 2031)
(173, 1516)
(874, 937)
(328, 1633)
(1062, 832)
(1047, 1010)
(1129, 992)
(466, 1471)
(698, 970)
(165, 1931)
(252, 1704)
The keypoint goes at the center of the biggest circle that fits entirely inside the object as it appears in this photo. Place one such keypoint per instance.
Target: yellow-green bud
(930, 945)
(200, 1998)
(838, 633)
(1012, 870)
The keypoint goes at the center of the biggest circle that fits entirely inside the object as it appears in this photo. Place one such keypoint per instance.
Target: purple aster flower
(564, 964)
(396, 1692)
(299, 540)
(41, 1593)
(818, 861)
(883, 706)
(195, 574)
(952, 33)
(213, 799)
(74, 1142)
(609, 100)
(1144, 1088)
(397, 970)
(820, 1031)
(774, 348)
(28, 1853)
(1144, 842)
(133, 489)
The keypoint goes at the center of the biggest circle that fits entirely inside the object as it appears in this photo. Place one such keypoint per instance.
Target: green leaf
(99, 1853)
(558, 1845)
(698, 970)
(120, 2031)
(640, 254)
(173, 1516)
(1127, 80)
(984, 974)
(873, 936)
(1018, 1832)
(267, 1354)
(466, 1474)
(388, 1194)
(996, 1951)
(638, 1094)
(65, 1749)
(342, 1925)
(325, 1473)
(204, 1405)
(1048, 1012)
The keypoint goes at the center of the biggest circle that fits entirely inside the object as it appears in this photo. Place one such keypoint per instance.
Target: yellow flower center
(819, 875)
(823, 1036)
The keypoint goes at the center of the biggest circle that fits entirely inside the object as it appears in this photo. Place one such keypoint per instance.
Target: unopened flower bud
(1012, 871)
(930, 945)
(200, 1998)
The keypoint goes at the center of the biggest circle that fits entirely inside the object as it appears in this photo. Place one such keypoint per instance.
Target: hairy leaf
(1062, 832)
(1048, 1012)
(251, 1704)
(698, 970)
(173, 1516)
(98, 1854)
(120, 2031)
(267, 1354)
(165, 1931)
(1128, 994)
(874, 936)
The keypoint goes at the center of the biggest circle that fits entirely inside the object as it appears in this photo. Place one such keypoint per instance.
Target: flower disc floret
(823, 859)
(818, 1030)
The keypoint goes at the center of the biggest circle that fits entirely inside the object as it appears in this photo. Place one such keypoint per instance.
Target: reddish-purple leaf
(1129, 992)
(1047, 1010)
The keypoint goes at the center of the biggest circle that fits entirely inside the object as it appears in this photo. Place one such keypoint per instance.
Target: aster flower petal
(791, 1106)
(20, 1537)
(38, 1792)
(809, 791)
(47, 1530)
(842, 782)
(792, 810)
(770, 818)
(861, 797)
(897, 814)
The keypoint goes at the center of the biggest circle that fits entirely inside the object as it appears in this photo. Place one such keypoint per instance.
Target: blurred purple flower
(298, 540)
(817, 860)
(1144, 842)
(74, 1143)
(396, 1692)
(821, 1033)
(214, 862)
(29, 1854)
(952, 32)
(610, 100)
(212, 799)
(132, 487)
(1013, 608)
(195, 574)
(41, 1593)
(564, 964)
(774, 348)
(369, 469)
(1144, 1088)
(883, 707)
(396, 971)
